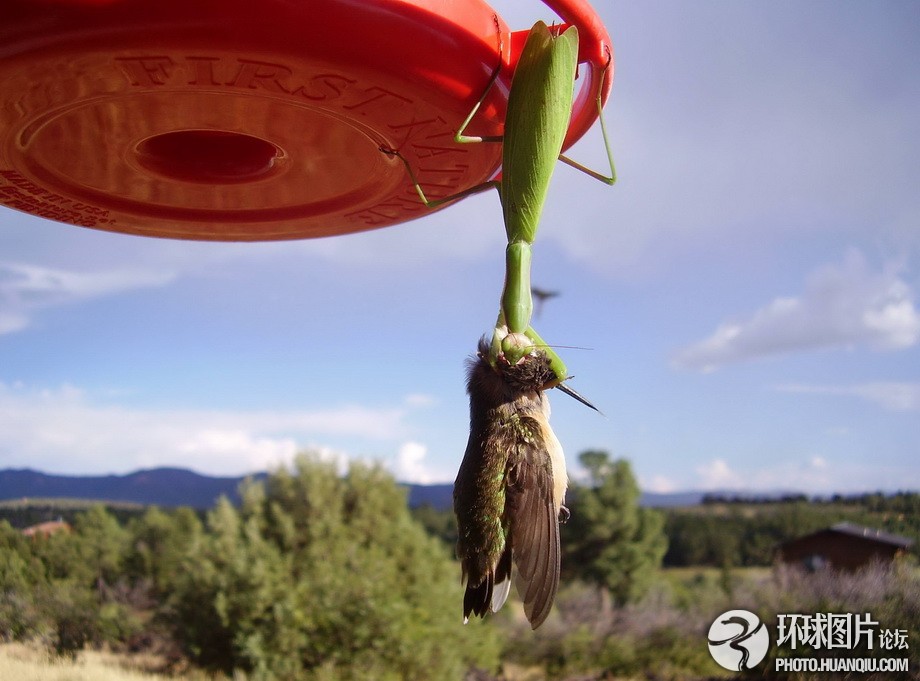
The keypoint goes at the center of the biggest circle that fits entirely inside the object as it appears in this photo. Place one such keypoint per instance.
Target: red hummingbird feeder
(234, 120)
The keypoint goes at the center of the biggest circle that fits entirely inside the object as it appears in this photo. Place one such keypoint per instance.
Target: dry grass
(664, 635)
(31, 662)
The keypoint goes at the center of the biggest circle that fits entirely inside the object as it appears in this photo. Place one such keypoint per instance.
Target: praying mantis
(537, 117)
(509, 492)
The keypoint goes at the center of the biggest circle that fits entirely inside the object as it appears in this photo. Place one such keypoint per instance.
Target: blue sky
(747, 292)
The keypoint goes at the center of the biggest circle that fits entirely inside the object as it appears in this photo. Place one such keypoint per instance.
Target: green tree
(323, 576)
(101, 545)
(440, 523)
(94, 551)
(610, 540)
(80, 590)
(21, 575)
(159, 540)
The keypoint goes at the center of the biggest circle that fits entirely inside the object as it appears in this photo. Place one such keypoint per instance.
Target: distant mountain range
(442, 496)
(158, 486)
(180, 487)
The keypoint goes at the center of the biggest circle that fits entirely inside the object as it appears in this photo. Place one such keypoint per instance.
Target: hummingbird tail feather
(492, 592)
(477, 598)
(502, 580)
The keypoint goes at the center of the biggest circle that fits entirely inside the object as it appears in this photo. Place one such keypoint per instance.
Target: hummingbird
(509, 494)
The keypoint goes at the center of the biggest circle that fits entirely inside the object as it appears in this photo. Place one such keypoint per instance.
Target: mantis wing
(539, 108)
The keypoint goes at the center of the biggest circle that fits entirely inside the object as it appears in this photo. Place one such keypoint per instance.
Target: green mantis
(538, 112)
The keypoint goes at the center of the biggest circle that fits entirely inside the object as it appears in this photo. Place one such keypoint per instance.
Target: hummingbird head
(532, 372)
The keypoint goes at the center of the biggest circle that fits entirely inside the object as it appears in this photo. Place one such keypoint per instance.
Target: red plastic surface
(237, 120)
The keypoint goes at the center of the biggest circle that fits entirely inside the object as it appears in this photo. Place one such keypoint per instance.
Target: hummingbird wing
(534, 523)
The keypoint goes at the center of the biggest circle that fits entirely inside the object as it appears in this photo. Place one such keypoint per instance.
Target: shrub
(319, 576)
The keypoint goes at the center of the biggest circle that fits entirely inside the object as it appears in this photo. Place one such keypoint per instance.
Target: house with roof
(46, 529)
(844, 546)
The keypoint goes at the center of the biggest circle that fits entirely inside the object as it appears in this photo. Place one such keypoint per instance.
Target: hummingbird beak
(571, 393)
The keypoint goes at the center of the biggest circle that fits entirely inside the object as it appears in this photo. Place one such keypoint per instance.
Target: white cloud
(843, 305)
(12, 321)
(65, 431)
(25, 289)
(658, 484)
(817, 474)
(420, 400)
(890, 395)
(809, 474)
(716, 474)
(216, 445)
(432, 236)
(411, 465)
